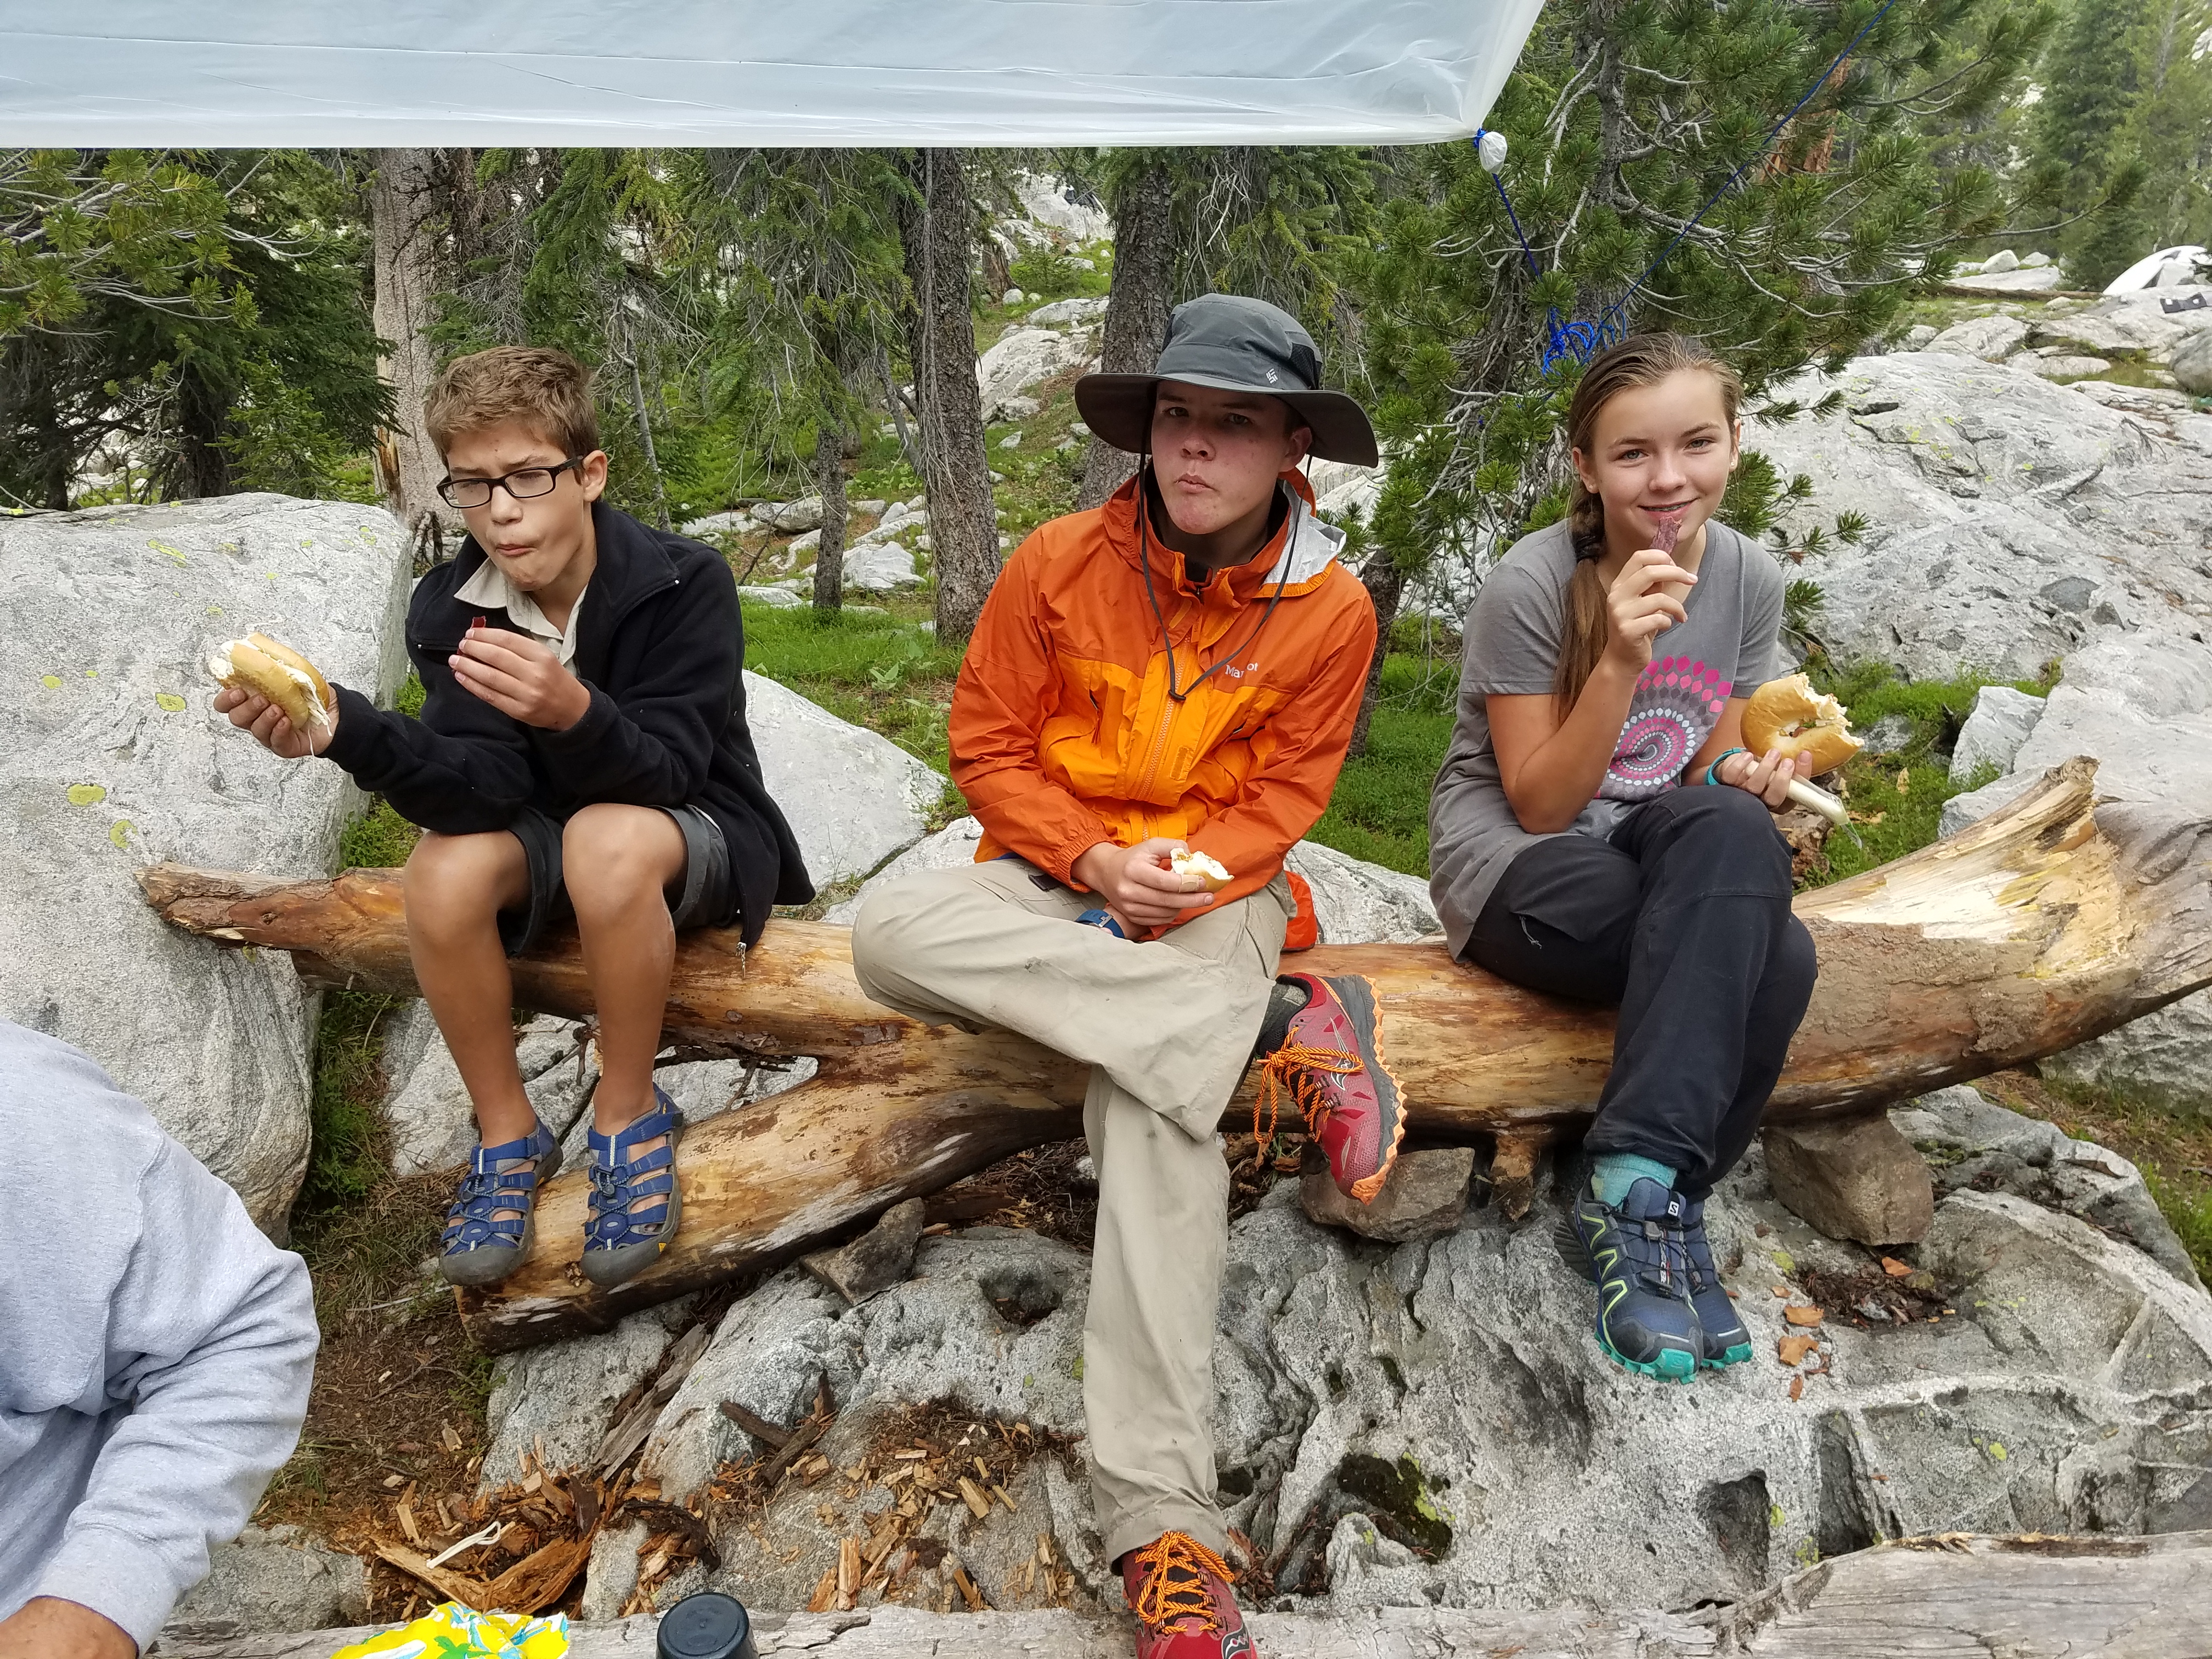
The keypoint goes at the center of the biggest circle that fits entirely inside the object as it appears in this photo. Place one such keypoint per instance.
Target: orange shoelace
(1174, 1594)
(1292, 1067)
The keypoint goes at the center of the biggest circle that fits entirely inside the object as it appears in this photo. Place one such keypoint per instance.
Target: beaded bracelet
(1712, 772)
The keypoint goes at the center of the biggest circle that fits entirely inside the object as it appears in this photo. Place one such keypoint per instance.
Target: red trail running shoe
(1179, 1590)
(1330, 1060)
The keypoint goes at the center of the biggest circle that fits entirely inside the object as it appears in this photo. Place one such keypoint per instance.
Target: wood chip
(969, 1593)
(1779, 1290)
(911, 1454)
(1800, 1314)
(395, 1481)
(405, 1511)
(759, 1427)
(825, 1598)
(1044, 1548)
(982, 1473)
(848, 1573)
(999, 1493)
(1895, 1268)
(1792, 1349)
(1797, 1388)
(451, 1436)
(972, 1495)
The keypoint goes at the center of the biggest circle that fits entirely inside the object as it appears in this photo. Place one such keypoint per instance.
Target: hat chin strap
(1179, 694)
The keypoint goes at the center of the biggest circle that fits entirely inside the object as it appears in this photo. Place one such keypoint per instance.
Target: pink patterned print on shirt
(1676, 705)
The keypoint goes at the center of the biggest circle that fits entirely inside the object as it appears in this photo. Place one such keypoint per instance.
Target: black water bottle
(707, 1625)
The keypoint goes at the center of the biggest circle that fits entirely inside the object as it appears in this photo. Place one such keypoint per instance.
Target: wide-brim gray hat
(1231, 343)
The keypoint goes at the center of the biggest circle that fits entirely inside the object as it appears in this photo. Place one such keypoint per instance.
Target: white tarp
(787, 72)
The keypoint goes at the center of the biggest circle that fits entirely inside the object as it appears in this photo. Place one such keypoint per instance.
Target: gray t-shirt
(1729, 646)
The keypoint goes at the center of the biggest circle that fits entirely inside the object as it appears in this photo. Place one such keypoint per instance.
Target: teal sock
(1615, 1173)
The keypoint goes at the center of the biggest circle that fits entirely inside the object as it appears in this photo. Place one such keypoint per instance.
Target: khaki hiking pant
(1166, 1027)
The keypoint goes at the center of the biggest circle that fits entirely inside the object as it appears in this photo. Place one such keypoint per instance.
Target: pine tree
(2092, 81)
(802, 249)
(197, 314)
(938, 218)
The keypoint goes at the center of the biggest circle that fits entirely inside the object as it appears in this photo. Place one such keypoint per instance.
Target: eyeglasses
(520, 485)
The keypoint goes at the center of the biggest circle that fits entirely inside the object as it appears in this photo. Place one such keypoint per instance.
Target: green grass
(2169, 1141)
(1380, 810)
(345, 1160)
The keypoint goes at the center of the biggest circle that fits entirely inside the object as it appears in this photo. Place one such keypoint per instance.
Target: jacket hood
(1299, 555)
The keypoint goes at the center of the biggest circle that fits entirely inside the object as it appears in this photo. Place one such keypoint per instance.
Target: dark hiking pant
(1682, 917)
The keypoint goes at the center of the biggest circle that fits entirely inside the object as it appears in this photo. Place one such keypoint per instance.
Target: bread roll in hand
(1812, 730)
(268, 668)
(1207, 870)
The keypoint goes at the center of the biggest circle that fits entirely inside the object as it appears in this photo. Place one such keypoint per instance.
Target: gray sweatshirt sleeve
(211, 1342)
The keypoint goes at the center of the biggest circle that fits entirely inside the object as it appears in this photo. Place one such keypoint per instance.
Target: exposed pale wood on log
(2040, 926)
(2084, 1598)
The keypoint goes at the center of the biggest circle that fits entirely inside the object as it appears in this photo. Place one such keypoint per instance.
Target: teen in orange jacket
(1178, 669)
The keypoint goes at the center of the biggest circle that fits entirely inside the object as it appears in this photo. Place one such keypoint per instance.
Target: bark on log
(2035, 930)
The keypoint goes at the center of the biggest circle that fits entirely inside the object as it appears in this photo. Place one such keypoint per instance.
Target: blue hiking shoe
(1724, 1342)
(1634, 1256)
(494, 1215)
(635, 1203)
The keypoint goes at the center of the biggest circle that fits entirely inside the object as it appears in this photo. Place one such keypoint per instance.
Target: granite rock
(1424, 1195)
(852, 798)
(2002, 718)
(2010, 521)
(1972, 1144)
(1992, 338)
(427, 1108)
(273, 1578)
(1859, 1180)
(111, 758)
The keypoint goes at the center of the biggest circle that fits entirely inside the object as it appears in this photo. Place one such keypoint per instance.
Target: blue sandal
(489, 1228)
(620, 1243)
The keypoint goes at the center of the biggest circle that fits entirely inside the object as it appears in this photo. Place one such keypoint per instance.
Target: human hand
(1644, 601)
(250, 711)
(517, 676)
(48, 1627)
(1765, 776)
(1137, 883)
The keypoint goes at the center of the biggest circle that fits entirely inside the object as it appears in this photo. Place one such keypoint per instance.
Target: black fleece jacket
(659, 645)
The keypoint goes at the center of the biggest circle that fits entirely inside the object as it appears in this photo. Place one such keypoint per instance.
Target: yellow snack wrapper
(450, 1630)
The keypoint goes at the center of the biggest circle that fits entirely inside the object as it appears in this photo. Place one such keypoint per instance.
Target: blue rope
(1582, 341)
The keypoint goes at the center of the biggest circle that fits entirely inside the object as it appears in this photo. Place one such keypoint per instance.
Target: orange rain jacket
(1063, 732)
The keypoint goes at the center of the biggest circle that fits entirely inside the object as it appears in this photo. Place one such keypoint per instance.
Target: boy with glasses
(582, 749)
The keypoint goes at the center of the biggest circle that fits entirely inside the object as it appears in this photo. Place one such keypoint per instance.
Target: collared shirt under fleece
(1064, 731)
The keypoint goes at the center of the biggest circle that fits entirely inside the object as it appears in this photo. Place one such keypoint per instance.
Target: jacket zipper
(1159, 738)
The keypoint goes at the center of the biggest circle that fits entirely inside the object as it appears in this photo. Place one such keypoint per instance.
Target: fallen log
(2035, 929)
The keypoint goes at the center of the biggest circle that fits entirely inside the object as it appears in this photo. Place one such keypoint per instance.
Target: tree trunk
(645, 440)
(1386, 587)
(2036, 929)
(201, 467)
(938, 235)
(407, 211)
(830, 482)
(1137, 306)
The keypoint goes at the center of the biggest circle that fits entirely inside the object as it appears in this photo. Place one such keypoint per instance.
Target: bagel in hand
(1207, 869)
(268, 668)
(1806, 726)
